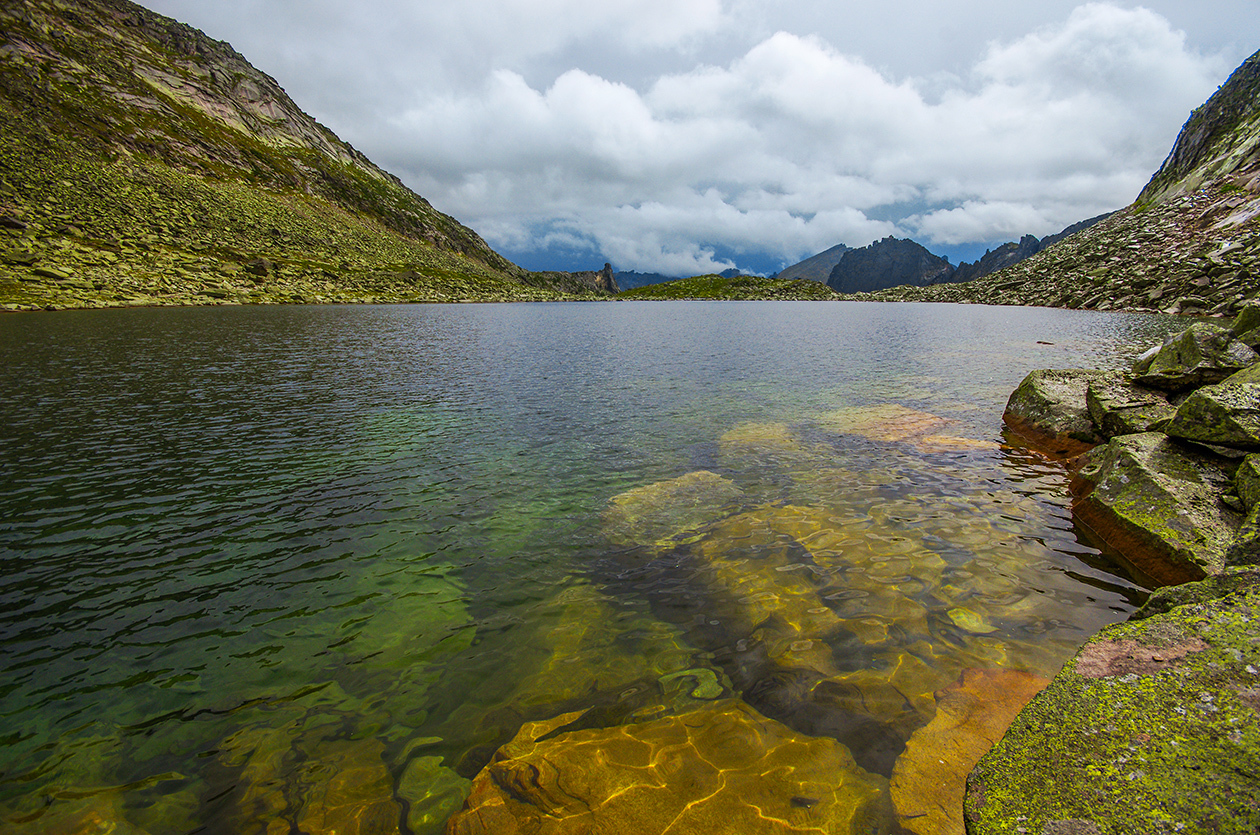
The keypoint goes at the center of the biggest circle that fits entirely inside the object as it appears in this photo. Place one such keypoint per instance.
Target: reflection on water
(310, 567)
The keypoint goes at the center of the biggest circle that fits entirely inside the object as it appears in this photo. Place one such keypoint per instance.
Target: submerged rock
(1158, 504)
(1151, 729)
(1118, 407)
(719, 769)
(886, 422)
(1200, 355)
(656, 513)
(930, 778)
(1050, 410)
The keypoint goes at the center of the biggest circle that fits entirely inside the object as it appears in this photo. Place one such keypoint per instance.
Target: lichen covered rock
(1200, 355)
(1151, 729)
(1158, 503)
(1118, 407)
(720, 769)
(1050, 410)
(1226, 414)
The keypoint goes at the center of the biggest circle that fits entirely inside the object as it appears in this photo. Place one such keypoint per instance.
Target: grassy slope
(144, 163)
(743, 288)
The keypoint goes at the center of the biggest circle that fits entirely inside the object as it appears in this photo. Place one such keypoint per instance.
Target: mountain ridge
(1189, 243)
(144, 162)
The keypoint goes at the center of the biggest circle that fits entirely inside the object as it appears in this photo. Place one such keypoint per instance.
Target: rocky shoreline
(1152, 726)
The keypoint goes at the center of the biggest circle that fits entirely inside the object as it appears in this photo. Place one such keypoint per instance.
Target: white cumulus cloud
(630, 130)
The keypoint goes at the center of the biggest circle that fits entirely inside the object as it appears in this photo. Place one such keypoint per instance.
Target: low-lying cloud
(787, 149)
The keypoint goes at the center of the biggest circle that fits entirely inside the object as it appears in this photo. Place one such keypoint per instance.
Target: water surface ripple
(238, 541)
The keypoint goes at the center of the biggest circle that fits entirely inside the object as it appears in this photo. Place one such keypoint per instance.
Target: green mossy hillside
(142, 162)
(736, 288)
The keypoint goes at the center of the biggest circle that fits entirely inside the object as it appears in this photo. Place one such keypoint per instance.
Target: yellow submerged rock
(653, 515)
(930, 777)
(722, 770)
(888, 422)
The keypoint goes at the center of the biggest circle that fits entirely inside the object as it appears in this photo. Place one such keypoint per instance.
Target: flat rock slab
(1158, 503)
(724, 769)
(656, 513)
(1118, 406)
(930, 777)
(1050, 410)
(1150, 729)
(1200, 355)
(1226, 414)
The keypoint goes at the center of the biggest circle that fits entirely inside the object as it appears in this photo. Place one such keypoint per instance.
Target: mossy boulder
(719, 769)
(1117, 406)
(1150, 729)
(1200, 355)
(1050, 410)
(1158, 503)
(1222, 415)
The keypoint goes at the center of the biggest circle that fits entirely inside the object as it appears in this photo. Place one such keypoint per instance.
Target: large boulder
(1222, 415)
(1050, 410)
(1119, 407)
(1158, 503)
(721, 769)
(1201, 355)
(1150, 729)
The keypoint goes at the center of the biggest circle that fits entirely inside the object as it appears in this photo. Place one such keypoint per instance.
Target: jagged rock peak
(887, 263)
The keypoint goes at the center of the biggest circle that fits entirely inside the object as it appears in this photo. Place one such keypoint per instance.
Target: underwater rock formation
(719, 769)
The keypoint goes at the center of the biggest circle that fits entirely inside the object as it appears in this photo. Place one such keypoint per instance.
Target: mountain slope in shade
(1189, 244)
(816, 267)
(142, 162)
(887, 263)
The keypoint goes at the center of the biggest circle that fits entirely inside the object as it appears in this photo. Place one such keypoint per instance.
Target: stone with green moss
(1225, 415)
(1150, 729)
(1118, 407)
(1049, 408)
(1157, 502)
(1200, 355)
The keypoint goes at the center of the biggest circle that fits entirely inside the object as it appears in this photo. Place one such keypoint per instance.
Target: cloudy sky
(689, 136)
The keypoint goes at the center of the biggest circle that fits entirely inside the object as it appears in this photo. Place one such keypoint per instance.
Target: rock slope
(1189, 244)
(142, 162)
(1152, 727)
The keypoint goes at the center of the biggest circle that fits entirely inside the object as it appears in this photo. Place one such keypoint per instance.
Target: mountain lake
(251, 551)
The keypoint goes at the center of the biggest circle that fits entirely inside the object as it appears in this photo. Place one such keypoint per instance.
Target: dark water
(244, 547)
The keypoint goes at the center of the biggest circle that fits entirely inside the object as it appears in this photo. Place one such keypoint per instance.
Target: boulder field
(1152, 727)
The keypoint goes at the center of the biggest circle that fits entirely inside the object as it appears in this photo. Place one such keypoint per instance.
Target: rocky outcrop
(1216, 138)
(722, 769)
(1158, 503)
(1006, 255)
(1118, 406)
(816, 267)
(1161, 490)
(887, 263)
(1150, 729)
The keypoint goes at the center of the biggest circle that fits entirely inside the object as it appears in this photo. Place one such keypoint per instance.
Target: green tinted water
(250, 557)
